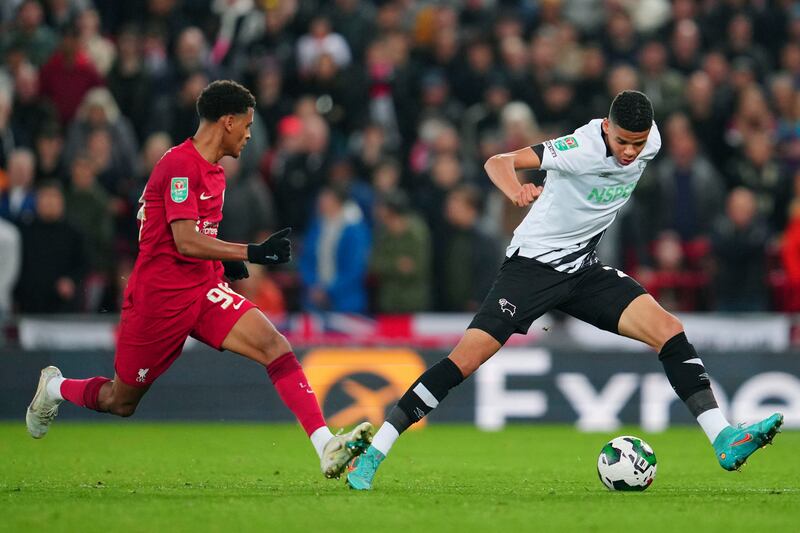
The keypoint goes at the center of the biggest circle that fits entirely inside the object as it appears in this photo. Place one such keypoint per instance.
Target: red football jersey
(183, 185)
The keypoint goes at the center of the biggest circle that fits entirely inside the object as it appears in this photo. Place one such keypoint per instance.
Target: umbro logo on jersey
(549, 146)
(505, 305)
(204, 197)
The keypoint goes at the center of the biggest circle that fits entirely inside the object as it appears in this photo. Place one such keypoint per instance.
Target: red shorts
(147, 346)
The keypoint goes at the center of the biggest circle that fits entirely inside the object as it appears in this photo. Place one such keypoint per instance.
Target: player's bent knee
(668, 327)
(473, 350)
(273, 346)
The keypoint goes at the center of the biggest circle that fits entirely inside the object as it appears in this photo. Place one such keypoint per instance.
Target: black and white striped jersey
(584, 189)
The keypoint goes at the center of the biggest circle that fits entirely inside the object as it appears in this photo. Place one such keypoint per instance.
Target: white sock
(712, 422)
(54, 388)
(320, 438)
(384, 438)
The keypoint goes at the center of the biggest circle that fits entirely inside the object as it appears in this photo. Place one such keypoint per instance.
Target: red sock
(289, 379)
(83, 392)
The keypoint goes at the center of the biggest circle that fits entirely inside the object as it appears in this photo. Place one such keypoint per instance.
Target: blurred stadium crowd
(374, 119)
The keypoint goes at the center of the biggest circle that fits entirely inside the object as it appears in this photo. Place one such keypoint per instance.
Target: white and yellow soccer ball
(627, 463)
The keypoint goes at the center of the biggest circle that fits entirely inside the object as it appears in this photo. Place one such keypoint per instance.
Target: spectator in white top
(101, 51)
(320, 40)
(10, 252)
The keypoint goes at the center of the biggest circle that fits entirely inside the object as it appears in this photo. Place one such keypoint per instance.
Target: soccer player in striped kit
(551, 264)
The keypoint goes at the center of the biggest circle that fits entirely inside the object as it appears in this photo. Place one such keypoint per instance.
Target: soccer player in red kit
(177, 289)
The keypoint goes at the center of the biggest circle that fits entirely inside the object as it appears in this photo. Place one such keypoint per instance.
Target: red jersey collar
(191, 148)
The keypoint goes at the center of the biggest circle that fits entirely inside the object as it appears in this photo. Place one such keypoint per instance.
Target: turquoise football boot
(362, 469)
(734, 445)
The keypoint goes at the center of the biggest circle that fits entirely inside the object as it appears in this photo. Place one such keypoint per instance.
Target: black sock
(425, 394)
(687, 375)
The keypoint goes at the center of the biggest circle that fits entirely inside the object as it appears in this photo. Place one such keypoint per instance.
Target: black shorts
(525, 289)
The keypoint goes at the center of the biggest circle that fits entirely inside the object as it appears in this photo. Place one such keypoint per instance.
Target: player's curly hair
(224, 97)
(632, 111)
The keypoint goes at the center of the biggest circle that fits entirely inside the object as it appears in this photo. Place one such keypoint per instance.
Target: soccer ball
(627, 463)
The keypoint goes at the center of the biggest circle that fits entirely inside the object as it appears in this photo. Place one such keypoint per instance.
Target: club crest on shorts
(505, 305)
(142, 375)
(179, 189)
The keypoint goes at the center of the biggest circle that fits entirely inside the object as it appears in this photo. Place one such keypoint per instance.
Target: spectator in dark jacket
(53, 259)
(31, 112)
(470, 257)
(249, 211)
(29, 33)
(739, 241)
(49, 147)
(130, 82)
(88, 211)
(401, 258)
(682, 192)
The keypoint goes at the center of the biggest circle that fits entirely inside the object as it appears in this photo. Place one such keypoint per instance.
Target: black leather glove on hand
(235, 270)
(275, 250)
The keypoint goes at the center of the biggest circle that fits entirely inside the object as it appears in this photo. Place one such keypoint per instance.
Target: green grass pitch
(133, 476)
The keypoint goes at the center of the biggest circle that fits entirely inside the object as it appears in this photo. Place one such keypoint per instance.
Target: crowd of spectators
(373, 121)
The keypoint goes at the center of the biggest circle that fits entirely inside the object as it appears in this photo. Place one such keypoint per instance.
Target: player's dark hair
(224, 97)
(632, 111)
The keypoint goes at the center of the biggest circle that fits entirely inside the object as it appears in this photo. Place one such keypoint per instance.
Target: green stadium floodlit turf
(175, 477)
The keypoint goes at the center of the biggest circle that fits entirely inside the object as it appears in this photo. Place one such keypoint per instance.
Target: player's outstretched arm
(502, 168)
(191, 243)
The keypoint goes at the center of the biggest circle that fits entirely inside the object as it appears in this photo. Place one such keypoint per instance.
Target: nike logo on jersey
(204, 197)
(272, 257)
(747, 438)
(237, 306)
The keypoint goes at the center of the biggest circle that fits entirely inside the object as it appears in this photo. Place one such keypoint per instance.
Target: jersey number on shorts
(223, 295)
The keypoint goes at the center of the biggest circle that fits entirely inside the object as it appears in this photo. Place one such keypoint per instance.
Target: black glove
(235, 270)
(275, 250)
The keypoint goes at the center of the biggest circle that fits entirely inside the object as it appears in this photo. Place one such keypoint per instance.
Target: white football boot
(338, 451)
(43, 409)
